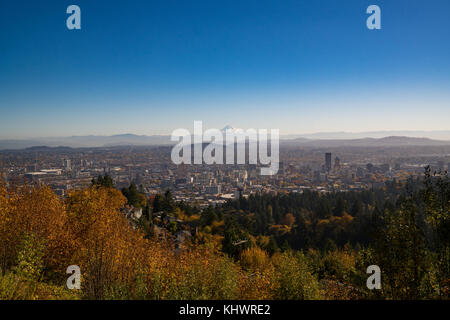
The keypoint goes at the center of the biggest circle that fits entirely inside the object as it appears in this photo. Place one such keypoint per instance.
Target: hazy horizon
(431, 134)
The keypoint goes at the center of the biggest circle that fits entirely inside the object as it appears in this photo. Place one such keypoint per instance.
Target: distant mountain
(392, 141)
(230, 129)
(18, 144)
(227, 127)
(45, 148)
(438, 135)
(88, 141)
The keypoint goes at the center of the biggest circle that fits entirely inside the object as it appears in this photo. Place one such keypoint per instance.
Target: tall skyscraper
(67, 165)
(328, 161)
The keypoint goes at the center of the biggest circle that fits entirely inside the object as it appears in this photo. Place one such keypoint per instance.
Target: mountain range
(363, 139)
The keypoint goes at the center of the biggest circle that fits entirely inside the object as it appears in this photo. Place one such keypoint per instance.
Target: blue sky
(148, 67)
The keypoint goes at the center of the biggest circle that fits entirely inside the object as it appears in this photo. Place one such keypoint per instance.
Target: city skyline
(151, 67)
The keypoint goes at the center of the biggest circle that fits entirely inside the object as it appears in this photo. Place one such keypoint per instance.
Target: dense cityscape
(150, 168)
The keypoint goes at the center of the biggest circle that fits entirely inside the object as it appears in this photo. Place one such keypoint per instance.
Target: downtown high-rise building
(328, 161)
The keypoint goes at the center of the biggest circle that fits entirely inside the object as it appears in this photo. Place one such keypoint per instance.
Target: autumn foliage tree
(35, 212)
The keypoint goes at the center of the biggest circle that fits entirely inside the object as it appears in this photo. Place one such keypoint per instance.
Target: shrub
(30, 258)
(254, 259)
(294, 280)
